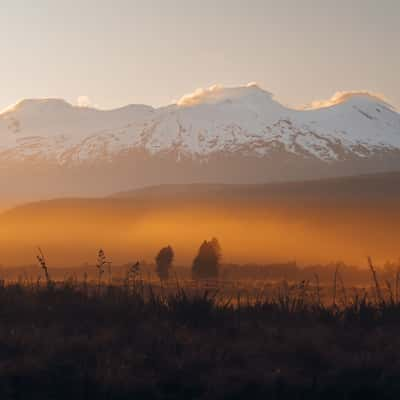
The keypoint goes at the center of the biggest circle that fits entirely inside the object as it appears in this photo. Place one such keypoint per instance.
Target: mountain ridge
(49, 147)
(244, 119)
(367, 187)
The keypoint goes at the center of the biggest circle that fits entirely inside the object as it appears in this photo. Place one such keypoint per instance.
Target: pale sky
(155, 51)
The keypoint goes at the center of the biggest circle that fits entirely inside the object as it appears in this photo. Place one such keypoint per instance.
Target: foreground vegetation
(83, 340)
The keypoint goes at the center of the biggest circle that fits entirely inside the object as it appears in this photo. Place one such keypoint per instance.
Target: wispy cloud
(340, 97)
(212, 94)
(84, 101)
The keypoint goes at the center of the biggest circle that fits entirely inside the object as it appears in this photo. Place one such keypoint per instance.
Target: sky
(112, 53)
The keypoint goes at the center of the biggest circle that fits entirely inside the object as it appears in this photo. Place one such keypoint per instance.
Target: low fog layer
(311, 222)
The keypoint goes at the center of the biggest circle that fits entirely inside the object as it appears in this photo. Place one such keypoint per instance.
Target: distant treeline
(290, 271)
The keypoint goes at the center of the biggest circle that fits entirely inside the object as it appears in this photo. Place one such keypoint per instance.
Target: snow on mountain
(243, 120)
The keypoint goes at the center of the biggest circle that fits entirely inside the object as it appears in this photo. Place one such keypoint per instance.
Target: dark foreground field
(80, 341)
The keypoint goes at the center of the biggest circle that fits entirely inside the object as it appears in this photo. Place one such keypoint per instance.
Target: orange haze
(71, 231)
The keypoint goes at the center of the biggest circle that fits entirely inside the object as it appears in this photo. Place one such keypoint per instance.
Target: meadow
(65, 334)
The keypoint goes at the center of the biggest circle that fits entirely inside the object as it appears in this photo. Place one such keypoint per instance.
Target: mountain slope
(217, 135)
(244, 119)
(358, 189)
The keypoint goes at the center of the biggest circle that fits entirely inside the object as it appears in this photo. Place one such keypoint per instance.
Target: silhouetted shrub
(206, 263)
(164, 262)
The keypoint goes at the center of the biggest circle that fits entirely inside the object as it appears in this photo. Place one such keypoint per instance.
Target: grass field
(197, 340)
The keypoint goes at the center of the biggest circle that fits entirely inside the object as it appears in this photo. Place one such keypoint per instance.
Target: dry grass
(185, 340)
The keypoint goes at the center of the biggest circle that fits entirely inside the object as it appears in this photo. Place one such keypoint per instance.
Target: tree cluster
(206, 264)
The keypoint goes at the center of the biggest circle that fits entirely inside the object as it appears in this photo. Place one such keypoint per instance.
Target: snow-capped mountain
(235, 120)
(234, 134)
